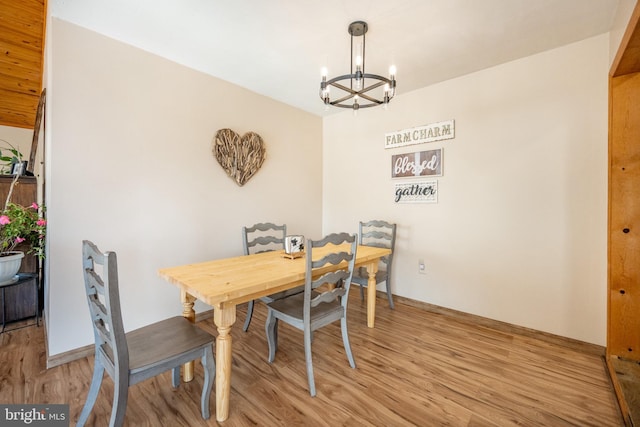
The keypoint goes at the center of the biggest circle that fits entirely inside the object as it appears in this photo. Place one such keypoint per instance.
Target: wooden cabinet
(21, 300)
(623, 322)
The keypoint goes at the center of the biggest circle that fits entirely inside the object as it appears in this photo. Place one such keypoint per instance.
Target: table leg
(189, 313)
(372, 269)
(224, 318)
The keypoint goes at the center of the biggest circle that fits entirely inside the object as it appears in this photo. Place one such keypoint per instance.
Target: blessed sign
(417, 192)
(418, 135)
(423, 163)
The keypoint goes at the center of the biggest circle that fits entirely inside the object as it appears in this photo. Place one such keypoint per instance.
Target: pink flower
(34, 205)
(4, 220)
(41, 222)
(19, 239)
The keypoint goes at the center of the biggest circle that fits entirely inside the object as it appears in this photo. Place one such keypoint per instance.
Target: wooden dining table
(225, 283)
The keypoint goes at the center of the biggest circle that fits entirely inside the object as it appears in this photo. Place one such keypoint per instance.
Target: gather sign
(417, 192)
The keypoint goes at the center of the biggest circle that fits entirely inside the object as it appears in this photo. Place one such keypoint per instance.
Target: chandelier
(358, 89)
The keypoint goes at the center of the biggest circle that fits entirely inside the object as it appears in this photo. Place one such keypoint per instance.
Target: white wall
(518, 235)
(519, 231)
(130, 167)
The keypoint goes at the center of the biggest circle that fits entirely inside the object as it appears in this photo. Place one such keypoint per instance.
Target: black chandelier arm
(360, 92)
(373, 86)
(370, 99)
(373, 102)
(339, 78)
(350, 106)
(339, 101)
(382, 79)
(351, 95)
(344, 88)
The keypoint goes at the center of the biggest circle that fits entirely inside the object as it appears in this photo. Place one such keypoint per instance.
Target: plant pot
(9, 265)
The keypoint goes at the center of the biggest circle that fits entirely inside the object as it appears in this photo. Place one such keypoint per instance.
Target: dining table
(225, 283)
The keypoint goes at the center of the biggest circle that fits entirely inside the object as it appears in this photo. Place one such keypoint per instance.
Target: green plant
(8, 156)
(23, 224)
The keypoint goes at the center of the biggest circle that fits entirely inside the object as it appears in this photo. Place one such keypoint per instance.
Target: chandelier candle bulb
(359, 57)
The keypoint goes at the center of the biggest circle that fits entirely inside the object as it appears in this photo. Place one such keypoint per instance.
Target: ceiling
(278, 47)
(21, 43)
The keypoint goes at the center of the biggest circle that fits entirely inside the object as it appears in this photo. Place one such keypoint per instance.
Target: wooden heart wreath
(240, 157)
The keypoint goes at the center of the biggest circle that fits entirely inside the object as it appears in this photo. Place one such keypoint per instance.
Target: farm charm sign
(418, 135)
(417, 192)
(423, 163)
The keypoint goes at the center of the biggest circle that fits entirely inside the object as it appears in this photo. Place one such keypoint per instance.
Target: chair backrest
(101, 285)
(263, 237)
(380, 234)
(338, 281)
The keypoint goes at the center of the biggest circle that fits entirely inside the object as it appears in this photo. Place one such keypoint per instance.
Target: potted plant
(19, 224)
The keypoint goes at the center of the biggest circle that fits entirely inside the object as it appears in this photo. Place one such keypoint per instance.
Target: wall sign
(240, 156)
(418, 135)
(423, 163)
(417, 192)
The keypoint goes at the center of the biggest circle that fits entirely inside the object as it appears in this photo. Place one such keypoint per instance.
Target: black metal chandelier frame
(361, 92)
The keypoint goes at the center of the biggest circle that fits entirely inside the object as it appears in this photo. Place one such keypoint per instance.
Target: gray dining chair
(380, 234)
(318, 305)
(264, 237)
(140, 354)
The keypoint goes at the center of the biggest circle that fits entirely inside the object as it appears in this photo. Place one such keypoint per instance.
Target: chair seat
(293, 307)
(150, 345)
(361, 277)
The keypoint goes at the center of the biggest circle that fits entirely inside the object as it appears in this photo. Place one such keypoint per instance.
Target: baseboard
(70, 356)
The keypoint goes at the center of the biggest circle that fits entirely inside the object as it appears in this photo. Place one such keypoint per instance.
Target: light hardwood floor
(417, 367)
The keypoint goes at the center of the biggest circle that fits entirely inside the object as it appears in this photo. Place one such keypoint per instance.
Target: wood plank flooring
(416, 368)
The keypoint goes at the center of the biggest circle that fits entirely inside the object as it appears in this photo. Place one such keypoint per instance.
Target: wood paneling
(623, 337)
(22, 32)
(623, 320)
(415, 368)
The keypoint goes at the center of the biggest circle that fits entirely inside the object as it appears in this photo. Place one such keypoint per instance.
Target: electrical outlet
(422, 269)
